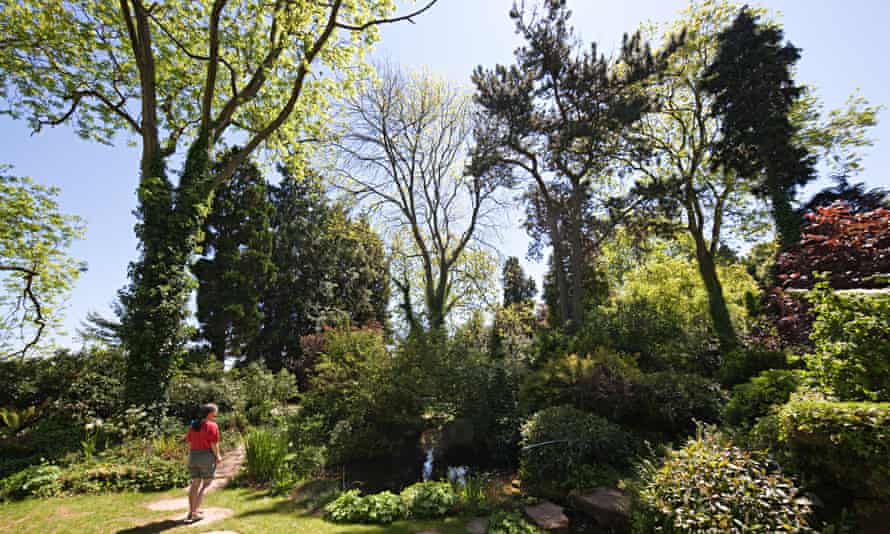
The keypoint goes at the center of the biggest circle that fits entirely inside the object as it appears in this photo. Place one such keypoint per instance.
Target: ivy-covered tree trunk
(704, 255)
(170, 220)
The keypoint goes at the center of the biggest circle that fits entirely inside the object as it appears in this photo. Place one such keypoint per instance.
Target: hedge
(841, 444)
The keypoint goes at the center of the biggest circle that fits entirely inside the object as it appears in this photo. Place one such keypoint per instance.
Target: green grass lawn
(125, 513)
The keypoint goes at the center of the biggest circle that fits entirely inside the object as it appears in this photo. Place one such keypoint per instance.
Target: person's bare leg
(194, 496)
(204, 487)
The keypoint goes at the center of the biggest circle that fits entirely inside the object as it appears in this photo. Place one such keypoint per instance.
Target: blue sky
(843, 49)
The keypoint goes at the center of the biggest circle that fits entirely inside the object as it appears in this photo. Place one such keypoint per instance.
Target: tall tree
(328, 270)
(36, 271)
(555, 120)
(237, 261)
(402, 153)
(684, 185)
(180, 74)
(518, 287)
(680, 184)
(752, 82)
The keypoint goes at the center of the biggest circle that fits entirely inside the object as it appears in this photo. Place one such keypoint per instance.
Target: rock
(548, 516)
(167, 505)
(609, 507)
(478, 525)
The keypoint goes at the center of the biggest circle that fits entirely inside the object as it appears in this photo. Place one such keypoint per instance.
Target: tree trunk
(576, 264)
(559, 257)
(716, 301)
(156, 300)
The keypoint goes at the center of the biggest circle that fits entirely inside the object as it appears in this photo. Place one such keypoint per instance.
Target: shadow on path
(157, 526)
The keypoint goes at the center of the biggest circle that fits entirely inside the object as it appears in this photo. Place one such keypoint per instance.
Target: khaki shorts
(202, 464)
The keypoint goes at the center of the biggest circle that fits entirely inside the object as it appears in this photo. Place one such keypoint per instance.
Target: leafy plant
(565, 448)
(839, 444)
(266, 454)
(755, 398)
(380, 508)
(116, 474)
(38, 480)
(712, 486)
(427, 500)
(851, 338)
(670, 403)
(503, 522)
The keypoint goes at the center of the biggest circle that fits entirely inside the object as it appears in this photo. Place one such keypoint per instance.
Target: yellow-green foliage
(673, 286)
(844, 444)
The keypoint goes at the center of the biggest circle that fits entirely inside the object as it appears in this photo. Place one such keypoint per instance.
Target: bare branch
(409, 17)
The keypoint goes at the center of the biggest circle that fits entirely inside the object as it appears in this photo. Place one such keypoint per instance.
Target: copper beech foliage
(853, 250)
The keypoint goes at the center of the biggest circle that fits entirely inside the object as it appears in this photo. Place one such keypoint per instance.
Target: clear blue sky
(843, 46)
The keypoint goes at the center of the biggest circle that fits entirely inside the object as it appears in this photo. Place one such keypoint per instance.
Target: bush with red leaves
(853, 249)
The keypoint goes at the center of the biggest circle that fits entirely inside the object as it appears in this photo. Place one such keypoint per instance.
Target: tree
(236, 264)
(180, 74)
(751, 80)
(328, 271)
(681, 183)
(402, 152)
(36, 271)
(517, 286)
(556, 120)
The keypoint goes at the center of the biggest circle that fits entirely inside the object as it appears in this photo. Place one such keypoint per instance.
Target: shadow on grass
(152, 528)
(306, 499)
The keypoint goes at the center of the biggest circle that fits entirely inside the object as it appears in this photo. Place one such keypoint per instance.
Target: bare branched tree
(402, 154)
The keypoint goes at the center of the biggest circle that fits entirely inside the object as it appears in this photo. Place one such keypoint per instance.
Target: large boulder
(548, 516)
(609, 507)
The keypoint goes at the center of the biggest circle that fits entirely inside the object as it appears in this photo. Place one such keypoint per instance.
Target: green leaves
(36, 271)
(712, 486)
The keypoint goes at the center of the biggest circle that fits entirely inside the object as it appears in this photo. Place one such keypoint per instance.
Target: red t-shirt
(204, 437)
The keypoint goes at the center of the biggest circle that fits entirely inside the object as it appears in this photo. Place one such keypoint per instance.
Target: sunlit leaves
(34, 238)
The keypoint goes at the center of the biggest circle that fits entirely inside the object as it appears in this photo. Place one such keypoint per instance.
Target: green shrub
(601, 382)
(38, 481)
(427, 500)
(565, 448)
(503, 522)
(754, 399)
(473, 494)
(380, 508)
(114, 474)
(361, 400)
(263, 391)
(711, 486)
(843, 445)
(851, 338)
(741, 365)
(670, 403)
(266, 454)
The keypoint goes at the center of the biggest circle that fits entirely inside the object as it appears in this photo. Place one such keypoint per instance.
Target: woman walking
(203, 438)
